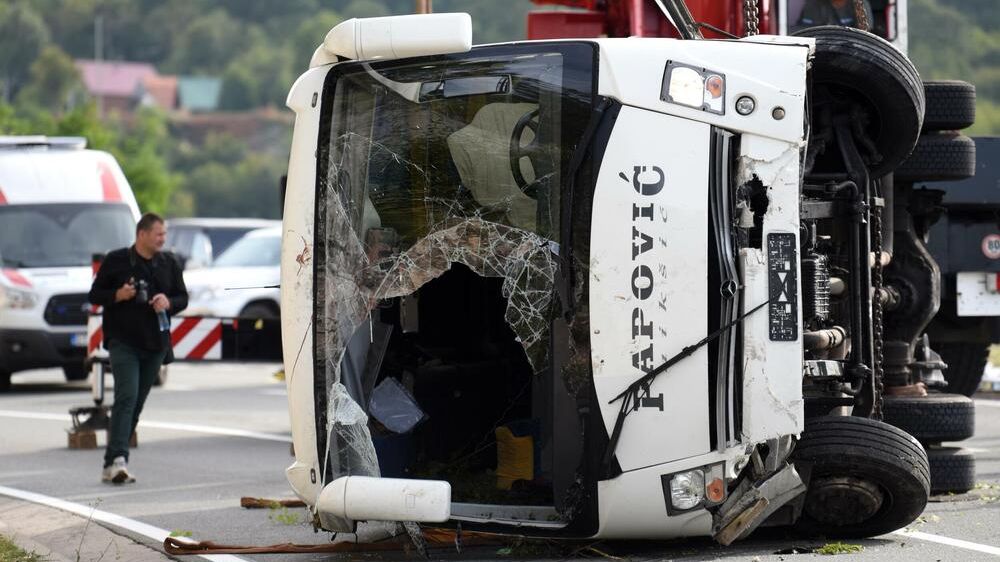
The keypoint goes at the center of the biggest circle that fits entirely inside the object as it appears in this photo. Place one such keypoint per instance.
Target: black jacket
(132, 322)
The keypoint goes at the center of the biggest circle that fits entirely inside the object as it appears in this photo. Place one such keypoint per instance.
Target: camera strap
(144, 270)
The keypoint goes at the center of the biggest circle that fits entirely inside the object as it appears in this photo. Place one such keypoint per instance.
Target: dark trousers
(134, 370)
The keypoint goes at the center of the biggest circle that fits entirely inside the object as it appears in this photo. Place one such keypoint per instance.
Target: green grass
(839, 548)
(10, 552)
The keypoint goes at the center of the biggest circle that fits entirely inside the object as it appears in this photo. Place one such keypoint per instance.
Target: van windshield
(62, 235)
(252, 251)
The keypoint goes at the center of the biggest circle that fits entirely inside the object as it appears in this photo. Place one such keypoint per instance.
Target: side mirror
(396, 37)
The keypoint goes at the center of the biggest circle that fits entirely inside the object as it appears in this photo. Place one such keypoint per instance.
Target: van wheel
(75, 372)
(854, 69)
(965, 365)
(953, 470)
(933, 418)
(5, 381)
(868, 478)
(261, 310)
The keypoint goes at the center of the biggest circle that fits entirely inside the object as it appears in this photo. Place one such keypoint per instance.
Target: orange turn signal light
(715, 491)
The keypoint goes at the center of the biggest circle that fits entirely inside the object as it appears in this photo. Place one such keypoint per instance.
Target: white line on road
(132, 525)
(948, 541)
(212, 430)
(990, 403)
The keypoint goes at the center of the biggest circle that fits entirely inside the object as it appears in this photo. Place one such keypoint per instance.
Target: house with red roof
(114, 83)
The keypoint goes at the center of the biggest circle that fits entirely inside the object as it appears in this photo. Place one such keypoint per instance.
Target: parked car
(59, 204)
(242, 282)
(199, 241)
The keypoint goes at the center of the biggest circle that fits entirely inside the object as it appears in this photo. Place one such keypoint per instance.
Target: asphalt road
(216, 433)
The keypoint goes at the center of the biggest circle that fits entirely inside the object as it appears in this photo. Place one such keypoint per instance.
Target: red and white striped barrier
(197, 339)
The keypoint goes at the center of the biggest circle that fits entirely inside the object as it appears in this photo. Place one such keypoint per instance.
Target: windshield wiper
(630, 395)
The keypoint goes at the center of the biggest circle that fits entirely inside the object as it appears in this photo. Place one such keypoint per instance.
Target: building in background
(114, 83)
(198, 94)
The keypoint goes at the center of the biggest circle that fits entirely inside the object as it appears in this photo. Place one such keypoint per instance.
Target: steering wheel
(531, 151)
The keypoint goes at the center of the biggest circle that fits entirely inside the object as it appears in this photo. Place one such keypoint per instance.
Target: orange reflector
(715, 491)
(714, 85)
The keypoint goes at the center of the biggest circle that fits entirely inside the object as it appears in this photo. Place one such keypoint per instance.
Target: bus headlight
(699, 88)
(687, 489)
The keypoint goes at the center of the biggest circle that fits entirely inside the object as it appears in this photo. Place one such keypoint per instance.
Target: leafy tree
(210, 43)
(248, 189)
(54, 82)
(258, 77)
(23, 35)
(309, 35)
(142, 152)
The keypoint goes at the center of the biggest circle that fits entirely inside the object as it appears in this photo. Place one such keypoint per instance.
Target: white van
(59, 204)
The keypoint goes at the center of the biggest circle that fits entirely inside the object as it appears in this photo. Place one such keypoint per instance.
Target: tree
(210, 43)
(248, 189)
(256, 78)
(308, 36)
(366, 9)
(23, 35)
(142, 152)
(54, 82)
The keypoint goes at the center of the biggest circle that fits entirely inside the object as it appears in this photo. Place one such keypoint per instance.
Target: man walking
(139, 287)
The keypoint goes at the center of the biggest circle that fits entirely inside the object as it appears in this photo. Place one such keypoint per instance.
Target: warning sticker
(991, 246)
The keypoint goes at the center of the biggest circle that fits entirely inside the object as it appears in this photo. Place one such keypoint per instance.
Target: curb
(59, 536)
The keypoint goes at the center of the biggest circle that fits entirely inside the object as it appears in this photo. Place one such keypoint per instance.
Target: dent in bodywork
(769, 170)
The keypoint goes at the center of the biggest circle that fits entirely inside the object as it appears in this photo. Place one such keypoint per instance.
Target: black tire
(945, 156)
(953, 470)
(951, 105)
(5, 381)
(869, 453)
(74, 372)
(933, 418)
(965, 366)
(857, 66)
(261, 310)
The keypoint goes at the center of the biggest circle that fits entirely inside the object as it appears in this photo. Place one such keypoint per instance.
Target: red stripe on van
(108, 183)
(3, 200)
(15, 277)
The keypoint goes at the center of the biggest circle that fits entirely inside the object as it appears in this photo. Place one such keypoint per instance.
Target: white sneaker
(117, 472)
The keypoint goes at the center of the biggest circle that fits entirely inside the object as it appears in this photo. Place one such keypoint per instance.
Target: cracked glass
(424, 164)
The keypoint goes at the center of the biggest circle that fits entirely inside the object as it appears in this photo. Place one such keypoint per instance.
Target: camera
(142, 291)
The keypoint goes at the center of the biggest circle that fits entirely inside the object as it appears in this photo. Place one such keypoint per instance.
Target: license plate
(78, 340)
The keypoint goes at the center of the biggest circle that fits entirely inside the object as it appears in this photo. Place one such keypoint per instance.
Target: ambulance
(60, 203)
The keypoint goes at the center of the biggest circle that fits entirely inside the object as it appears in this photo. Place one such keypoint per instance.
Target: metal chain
(751, 17)
(877, 324)
(861, 16)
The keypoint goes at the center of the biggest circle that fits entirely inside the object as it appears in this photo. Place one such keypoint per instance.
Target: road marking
(948, 541)
(990, 403)
(194, 428)
(153, 490)
(138, 527)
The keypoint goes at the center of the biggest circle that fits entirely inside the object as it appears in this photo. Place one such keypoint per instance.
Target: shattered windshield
(431, 164)
(416, 145)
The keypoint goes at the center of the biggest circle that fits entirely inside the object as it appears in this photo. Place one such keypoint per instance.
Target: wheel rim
(843, 500)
